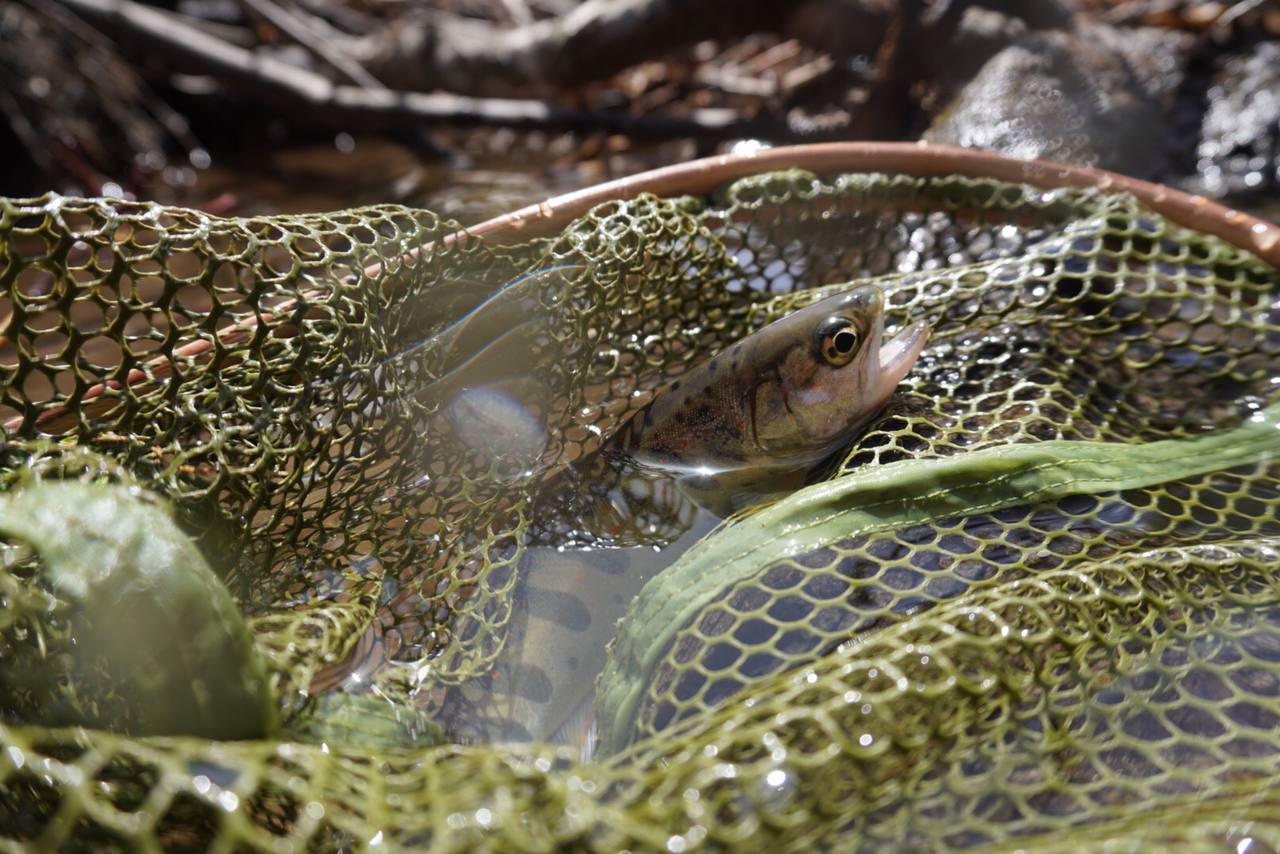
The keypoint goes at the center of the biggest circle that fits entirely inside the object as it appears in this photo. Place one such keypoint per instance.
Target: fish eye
(838, 341)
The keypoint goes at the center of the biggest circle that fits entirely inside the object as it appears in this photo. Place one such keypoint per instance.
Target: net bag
(1035, 595)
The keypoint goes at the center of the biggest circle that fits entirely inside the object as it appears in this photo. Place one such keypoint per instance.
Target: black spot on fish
(675, 385)
(688, 400)
(610, 561)
(535, 686)
(529, 682)
(560, 608)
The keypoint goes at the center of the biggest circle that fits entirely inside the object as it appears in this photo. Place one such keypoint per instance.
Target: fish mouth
(897, 357)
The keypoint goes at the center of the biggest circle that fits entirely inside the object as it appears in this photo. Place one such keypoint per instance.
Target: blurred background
(476, 107)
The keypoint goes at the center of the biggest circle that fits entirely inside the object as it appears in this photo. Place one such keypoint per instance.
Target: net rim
(916, 159)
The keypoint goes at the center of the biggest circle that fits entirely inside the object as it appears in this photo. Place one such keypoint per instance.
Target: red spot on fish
(577, 577)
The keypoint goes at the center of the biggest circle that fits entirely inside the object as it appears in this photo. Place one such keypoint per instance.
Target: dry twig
(595, 40)
(321, 43)
(313, 96)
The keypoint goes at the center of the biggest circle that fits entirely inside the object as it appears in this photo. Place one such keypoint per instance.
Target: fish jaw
(897, 357)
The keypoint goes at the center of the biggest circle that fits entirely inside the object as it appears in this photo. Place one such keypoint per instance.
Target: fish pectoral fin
(729, 492)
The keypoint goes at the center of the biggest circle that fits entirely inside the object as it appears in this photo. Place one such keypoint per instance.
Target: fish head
(831, 370)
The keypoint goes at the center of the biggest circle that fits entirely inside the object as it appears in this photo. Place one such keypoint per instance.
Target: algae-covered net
(1037, 593)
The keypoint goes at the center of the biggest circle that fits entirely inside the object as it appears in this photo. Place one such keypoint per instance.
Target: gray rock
(982, 34)
(1239, 151)
(1038, 14)
(1062, 96)
(1157, 57)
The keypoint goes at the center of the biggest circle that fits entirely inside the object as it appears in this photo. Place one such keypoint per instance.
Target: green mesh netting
(941, 643)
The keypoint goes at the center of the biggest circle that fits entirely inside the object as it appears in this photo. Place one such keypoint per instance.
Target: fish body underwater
(784, 397)
(745, 423)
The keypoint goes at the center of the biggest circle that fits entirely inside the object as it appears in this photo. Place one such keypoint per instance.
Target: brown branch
(316, 99)
(519, 12)
(321, 45)
(595, 40)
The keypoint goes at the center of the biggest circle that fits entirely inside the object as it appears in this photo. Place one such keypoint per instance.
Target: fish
(542, 686)
(774, 404)
(784, 397)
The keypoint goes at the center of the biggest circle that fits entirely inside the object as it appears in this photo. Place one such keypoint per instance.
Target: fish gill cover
(1037, 593)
